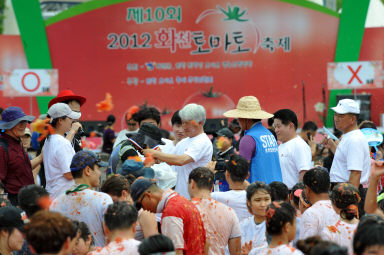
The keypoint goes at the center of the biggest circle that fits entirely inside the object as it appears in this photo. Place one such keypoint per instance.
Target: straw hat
(248, 107)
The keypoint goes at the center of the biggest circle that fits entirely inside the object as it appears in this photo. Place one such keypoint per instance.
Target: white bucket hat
(248, 107)
(347, 106)
(60, 110)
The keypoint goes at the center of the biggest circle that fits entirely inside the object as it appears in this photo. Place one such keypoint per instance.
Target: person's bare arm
(37, 161)
(171, 159)
(234, 246)
(206, 247)
(370, 204)
(354, 178)
(302, 172)
(179, 252)
(68, 176)
(71, 134)
(148, 223)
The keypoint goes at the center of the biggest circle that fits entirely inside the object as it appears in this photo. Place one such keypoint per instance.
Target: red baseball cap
(66, 95)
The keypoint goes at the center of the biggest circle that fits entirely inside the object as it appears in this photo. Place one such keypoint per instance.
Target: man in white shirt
(294, 153)
(80, 202)
(120, 221)
(321, 213)
(352, 160)
(193, 151)
(236, 173)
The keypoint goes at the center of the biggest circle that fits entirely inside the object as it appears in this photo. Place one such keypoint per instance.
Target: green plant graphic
(233, 14)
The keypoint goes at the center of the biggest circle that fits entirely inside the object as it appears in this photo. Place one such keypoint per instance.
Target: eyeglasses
(138, 204)
(131, 124)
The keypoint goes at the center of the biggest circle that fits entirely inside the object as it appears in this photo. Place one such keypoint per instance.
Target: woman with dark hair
(58, 151)
(157, 244)
(345, 199)
(281, 226)
(253, 228)
(369, 236)
(109, 136)
(316, 246)
(11, 229)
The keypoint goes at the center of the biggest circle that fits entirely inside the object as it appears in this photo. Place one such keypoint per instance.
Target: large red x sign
(354, 74)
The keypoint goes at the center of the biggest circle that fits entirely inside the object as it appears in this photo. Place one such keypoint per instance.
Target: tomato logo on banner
(361, 75)
(33, 82)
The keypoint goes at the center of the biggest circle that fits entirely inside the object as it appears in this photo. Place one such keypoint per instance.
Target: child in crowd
(368, 239)
(12, 220)
(281, 226)
(84, 243)
(314, 245)
(345, 199)
(253, 228)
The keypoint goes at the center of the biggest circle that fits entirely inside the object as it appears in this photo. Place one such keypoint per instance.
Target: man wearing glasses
(180, 220)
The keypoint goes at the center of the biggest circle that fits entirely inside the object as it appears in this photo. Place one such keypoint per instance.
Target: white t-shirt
(168, 147)
(120, 246)
(340, 233)
(352, 153)
(295, 156)
(213, 214)
(316, 217)
(236, 199)
(250, 231)
(283, 249)
(58, 154)
(88, 206)
(122, 136)
(199, 148)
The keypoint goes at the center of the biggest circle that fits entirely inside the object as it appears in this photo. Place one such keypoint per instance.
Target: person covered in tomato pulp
(80, 202)
(180, 220)
(214, 213)
(120, 223)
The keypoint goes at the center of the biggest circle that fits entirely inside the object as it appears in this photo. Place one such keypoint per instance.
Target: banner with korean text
(169, 53)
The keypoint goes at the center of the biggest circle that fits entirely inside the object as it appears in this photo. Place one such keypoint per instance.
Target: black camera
(220, 165)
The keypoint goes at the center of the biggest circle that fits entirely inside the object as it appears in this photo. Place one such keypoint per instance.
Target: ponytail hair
(346, 197)
(277, 215)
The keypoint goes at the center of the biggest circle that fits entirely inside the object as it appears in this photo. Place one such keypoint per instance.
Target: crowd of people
(257, 186)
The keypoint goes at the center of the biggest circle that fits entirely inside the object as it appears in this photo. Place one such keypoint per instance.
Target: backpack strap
(4, 144)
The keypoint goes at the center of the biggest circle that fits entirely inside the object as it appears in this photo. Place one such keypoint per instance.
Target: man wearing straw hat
(258, 145)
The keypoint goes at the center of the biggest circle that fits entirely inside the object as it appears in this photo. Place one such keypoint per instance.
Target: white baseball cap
(60, 110)
(347, 106)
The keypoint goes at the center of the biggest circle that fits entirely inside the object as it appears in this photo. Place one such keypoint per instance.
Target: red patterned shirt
(182, 223)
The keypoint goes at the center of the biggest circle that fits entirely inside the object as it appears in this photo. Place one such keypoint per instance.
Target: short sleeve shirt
(200, 149)
(340, 233)
(283, 249)
(214, 214)
(316, 217)
(118, 247)
(88, 206)
(250, 231)
(236, 199)
(58, 154)
(295, 156)
(182, 223)
(352, 153)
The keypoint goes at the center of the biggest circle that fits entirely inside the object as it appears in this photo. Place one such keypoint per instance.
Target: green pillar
(349, 39)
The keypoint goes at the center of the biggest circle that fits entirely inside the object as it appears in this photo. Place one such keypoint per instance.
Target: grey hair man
(193, 151)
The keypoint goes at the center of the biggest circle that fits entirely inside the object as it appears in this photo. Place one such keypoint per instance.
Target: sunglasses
(138, 203)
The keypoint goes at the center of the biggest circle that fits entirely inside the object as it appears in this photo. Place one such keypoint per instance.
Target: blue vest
(265, 164)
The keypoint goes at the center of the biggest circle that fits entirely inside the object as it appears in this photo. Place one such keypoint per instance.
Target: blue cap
(137, 169)
(139, 187)
(85, 158)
